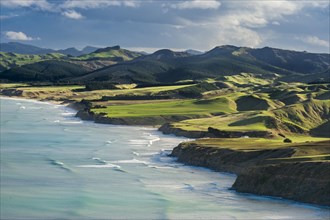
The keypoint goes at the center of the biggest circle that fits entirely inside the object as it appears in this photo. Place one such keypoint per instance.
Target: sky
(148, 25)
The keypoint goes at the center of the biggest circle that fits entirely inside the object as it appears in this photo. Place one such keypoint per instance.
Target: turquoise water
(54, 166)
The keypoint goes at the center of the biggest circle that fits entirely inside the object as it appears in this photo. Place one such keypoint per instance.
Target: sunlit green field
(182, 107)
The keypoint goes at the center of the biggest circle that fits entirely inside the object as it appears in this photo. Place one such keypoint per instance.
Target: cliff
(305, 182)
(263, 172)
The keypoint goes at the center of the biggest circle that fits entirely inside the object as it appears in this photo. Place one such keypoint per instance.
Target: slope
(10, 60)
(49, 71)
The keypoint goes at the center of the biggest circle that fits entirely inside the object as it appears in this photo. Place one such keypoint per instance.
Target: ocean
(55, 166)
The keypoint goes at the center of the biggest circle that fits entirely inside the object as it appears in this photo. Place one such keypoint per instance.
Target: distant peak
(107, 49)
(222, 50)
(194, 52)
(226, 47)
(117, 47)
(164, 51)
(71, 48)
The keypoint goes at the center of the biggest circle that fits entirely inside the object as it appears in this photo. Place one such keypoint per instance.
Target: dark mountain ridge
(166, 66)
(15, 47)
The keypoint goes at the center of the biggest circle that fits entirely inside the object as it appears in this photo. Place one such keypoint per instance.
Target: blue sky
(153, 24)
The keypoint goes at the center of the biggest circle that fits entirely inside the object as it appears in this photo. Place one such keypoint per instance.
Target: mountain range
(15, 47)
(121, 66)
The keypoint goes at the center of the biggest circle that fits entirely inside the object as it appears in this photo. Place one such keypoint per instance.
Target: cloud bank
(197, 24)
(20, 36)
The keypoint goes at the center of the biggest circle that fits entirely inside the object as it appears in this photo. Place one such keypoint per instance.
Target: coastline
(199, 156)
(51, 102)
(259, 172)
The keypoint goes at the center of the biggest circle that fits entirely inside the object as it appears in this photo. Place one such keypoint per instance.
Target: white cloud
(239, 23)
(37, 4)
(12, 35)
(98, 3)
(72, 14)
(256, 14)
(314, 40)
(3, 17)
(197, 4)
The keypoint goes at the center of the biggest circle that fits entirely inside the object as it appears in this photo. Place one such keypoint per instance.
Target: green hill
(44, 71)
(115, 53)
(10, 60)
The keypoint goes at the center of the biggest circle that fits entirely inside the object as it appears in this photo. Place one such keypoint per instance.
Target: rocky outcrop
(85, 115)
(213, 133)
(257, 173)
(167, 128)
(11, 92)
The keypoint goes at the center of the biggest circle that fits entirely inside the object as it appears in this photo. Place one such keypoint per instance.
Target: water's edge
(262, 179)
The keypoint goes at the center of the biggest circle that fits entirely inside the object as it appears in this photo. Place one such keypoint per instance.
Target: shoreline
(181, 157)
(259, 173)
(50, 102)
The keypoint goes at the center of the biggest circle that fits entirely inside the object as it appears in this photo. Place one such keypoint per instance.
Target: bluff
(263, 171)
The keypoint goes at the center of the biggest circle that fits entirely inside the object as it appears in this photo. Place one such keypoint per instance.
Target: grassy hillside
(110, 53)
(49, 71)
(10, 60)
(275, 110)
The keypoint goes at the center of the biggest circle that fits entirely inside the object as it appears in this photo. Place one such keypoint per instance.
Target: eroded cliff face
(226, 160)
(305, 182)
(258, 174)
